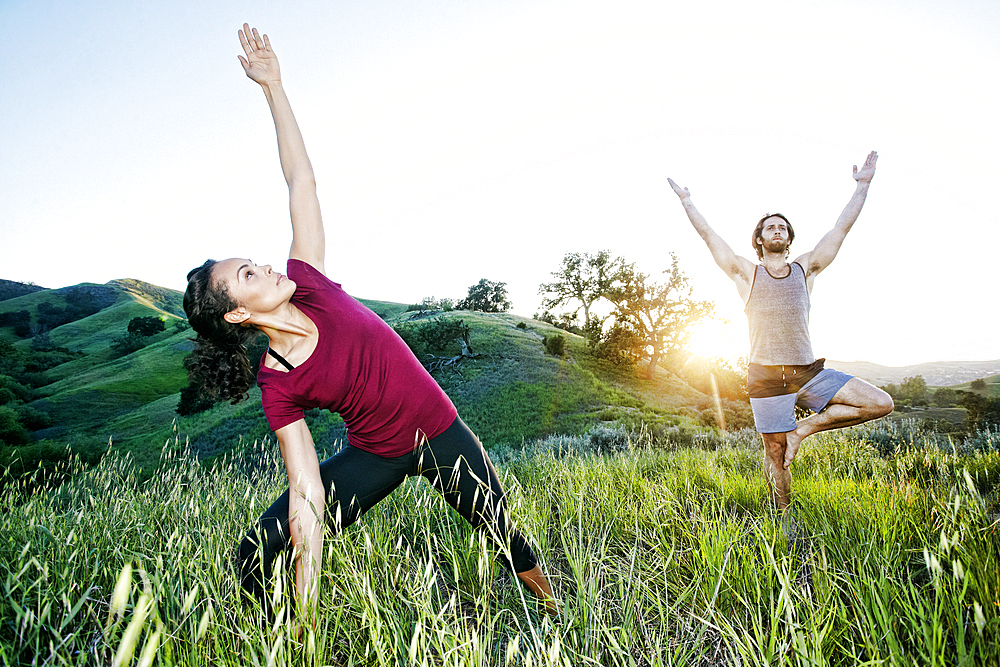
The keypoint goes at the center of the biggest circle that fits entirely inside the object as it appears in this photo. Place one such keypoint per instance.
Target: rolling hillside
(96, 395)
(513, 391)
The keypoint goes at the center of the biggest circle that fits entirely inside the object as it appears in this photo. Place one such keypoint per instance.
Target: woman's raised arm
(308, 238)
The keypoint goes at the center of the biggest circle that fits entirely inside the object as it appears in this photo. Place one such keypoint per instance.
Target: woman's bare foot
(536, 582)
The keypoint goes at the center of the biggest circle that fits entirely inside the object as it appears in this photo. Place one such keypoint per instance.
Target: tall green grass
(659, 557)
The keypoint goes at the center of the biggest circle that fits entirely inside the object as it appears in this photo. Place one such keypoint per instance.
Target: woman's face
(258, 289)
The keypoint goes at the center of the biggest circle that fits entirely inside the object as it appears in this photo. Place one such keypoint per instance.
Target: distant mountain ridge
(935, 373)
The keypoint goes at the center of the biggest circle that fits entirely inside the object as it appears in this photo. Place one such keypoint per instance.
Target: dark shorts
(776, 390)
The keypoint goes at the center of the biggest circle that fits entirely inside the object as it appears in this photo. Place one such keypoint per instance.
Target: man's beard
(776, 246)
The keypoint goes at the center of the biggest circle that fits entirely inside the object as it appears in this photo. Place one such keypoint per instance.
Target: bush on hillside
(698, 373)
(564, 321)
(192, 401)
(982, 411)
(945, 397)
(80, 302)
(12, 431)
(555, 345)
(39, 361)
(737, 416)
(129, 343)
(433, 337)
(20, 320)
(6, 396)
(32, 418)
(619, 344)
(146, 326)
(137, 334)
(11, 289)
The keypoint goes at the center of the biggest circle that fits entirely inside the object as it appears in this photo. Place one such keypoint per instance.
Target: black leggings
(454, 462)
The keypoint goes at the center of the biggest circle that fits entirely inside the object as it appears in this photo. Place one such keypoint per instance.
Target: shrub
(21, 392)
(192, 401)
(620, 344)
(985, 440)
(146, 326)
(555, 345)
(522, 325)
(20, 320)
(435, 336)
(33, 418)
(6, 396)
(613, 438)
(129, 343)
(736, 415)
(12, 431)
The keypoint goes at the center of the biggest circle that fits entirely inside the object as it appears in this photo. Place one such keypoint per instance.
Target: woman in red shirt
(326, 350)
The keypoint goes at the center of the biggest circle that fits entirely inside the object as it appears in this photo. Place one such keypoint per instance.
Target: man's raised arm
(820, 257)
(739, 269)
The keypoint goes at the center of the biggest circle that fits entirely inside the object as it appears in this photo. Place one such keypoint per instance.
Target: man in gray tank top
(783, 371)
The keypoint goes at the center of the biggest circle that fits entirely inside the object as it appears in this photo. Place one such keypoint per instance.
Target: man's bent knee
(883, 404)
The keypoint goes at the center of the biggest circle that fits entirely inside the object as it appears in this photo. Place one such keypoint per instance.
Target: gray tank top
(778, 314)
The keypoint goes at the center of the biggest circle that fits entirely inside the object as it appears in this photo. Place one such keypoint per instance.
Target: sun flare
(719, 338)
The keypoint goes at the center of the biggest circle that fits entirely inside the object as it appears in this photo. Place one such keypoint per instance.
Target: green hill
(94, 393)
(10, 289)
(992, 385)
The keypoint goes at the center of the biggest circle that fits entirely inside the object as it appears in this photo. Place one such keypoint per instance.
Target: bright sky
(459, 140)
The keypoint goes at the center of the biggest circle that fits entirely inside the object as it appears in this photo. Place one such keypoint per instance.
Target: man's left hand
(864, 175)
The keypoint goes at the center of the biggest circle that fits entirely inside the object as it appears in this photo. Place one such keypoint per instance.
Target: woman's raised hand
(261, 64)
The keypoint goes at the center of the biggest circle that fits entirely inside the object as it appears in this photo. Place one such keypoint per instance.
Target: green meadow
(659, 556)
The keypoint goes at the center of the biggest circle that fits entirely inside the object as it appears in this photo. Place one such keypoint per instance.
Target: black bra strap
(281, 359)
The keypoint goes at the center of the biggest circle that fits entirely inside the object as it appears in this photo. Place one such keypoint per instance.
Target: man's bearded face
(774, 236)
(776, 245)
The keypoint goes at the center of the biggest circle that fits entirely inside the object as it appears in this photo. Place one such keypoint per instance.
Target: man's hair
(760, 226)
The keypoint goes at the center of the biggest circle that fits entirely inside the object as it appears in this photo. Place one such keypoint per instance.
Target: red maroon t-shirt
(360, 368)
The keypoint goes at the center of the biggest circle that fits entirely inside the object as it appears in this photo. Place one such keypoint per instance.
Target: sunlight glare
(719, 338)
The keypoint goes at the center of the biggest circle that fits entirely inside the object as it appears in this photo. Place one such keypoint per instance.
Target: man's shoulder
(741, 269)
(806, 263)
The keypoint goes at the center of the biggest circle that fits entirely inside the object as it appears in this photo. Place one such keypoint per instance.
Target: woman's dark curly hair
(760, 227)
(219, 365)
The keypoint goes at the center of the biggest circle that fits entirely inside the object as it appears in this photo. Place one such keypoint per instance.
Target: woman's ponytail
(219, 364)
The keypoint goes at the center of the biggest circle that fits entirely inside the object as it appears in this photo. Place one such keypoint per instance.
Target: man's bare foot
(792, 442)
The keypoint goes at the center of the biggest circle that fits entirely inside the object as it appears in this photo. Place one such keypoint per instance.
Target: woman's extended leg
(354, 480)
(458, 466)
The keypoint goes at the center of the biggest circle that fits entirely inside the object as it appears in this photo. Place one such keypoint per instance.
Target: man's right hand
(681, 192)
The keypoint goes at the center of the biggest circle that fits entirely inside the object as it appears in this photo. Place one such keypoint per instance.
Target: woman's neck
(285, 328)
